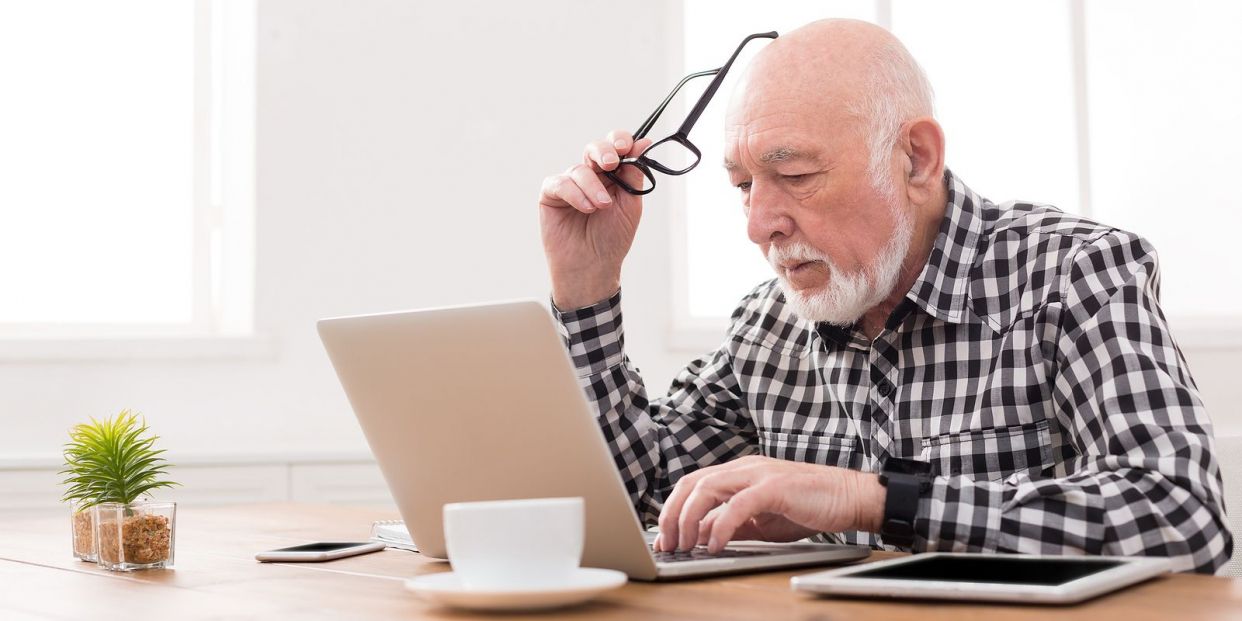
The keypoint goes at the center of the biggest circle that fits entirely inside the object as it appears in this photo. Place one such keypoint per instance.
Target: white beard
(846, 297)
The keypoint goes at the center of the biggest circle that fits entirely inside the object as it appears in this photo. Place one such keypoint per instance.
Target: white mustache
(796, 251)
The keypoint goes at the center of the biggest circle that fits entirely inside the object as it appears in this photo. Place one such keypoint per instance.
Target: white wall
(400, 149)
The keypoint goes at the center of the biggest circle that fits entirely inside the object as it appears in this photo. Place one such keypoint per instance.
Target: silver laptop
(482, 403)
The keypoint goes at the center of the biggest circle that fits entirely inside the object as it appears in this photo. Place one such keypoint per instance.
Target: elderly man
(928, 371)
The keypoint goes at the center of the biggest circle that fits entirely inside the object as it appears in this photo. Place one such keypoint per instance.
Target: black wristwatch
(907, 481)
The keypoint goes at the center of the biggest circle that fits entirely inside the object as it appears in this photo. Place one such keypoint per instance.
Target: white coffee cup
(514, 544)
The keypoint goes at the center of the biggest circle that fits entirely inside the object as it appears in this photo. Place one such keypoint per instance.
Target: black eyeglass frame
(681, 136)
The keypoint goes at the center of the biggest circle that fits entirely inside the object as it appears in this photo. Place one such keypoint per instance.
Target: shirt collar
(942, 286)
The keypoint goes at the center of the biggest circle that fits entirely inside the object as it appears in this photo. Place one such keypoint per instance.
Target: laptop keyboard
(701, 554)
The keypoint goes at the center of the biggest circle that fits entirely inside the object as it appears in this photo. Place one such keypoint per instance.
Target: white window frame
(688, 333)
(222, 323)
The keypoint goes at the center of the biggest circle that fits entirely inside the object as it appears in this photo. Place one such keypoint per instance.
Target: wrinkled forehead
(766, 124)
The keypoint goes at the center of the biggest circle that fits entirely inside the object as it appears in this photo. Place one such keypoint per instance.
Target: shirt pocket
(827, 450)
(992, 454)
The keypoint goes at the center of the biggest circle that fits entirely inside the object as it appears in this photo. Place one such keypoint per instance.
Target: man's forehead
(779, 153)
(774, 118)
(780, 129)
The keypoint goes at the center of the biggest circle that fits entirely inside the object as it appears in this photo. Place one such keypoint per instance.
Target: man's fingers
(620, 140)
(697, 506)
(747, 531)
(639, 147)
(582, 187)
(671, 514)
(590, 186)
(709, 493)
(743, 506)
(560, 190)
(668, 519)
(705, 527)
(607, 154)
(671, 511)
(631, 174)
(601, 155)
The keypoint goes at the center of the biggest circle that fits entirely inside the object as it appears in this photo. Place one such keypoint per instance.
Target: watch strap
(907, 481)
(901, 506)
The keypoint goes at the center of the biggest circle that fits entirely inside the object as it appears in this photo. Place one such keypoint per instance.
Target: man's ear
(923, 145)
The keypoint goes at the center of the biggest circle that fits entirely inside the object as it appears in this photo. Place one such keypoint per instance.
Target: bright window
(124, 154)
(1061, 102)
(1165, 116)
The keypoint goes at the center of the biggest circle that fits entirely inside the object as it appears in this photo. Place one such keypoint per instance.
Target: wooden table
(216, 577)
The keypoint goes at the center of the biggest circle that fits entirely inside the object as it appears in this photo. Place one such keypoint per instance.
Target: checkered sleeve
(700, 422)
(1143, 478)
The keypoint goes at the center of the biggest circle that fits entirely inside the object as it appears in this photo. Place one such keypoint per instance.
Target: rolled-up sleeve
(702, 420)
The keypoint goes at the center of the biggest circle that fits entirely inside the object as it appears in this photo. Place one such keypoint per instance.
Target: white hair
(896, 91)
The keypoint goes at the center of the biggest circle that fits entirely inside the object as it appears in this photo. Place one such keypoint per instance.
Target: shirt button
(886, 389)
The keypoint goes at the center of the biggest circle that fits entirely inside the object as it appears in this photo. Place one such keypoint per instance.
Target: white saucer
(582, 585)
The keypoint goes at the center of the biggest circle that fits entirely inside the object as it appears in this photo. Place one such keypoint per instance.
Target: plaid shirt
(1030, 363)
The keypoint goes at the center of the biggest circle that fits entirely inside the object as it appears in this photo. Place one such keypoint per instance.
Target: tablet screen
(993, 569)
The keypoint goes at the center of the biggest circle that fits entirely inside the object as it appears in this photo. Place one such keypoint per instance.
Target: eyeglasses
(663, 156)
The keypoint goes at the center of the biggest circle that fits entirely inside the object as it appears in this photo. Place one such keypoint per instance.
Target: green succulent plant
(112, 461)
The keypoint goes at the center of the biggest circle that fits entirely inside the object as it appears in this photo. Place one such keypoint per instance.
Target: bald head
(851, 73)
(824, 60)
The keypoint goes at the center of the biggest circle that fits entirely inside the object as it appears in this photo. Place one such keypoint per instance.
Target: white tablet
(985, 577)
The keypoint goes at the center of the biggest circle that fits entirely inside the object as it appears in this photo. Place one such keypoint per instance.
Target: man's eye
(797, 178)
(744, 186)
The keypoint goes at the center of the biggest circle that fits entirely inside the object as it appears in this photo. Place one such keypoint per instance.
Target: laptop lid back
(481, 403)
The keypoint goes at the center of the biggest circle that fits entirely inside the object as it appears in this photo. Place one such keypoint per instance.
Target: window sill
(1217, 333)
(17, 350)
(45, 461)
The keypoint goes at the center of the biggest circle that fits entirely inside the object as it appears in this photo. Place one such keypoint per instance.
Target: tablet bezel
(843, 581)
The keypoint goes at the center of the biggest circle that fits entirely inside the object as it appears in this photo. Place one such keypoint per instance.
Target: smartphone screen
(322, 546)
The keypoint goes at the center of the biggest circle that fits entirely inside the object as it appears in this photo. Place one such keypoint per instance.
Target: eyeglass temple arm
(650, 122)
(715, 85)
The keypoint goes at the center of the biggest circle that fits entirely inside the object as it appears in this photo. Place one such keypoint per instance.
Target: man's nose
(767, 219)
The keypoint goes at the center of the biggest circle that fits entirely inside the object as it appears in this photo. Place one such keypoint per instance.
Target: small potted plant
(111, 466)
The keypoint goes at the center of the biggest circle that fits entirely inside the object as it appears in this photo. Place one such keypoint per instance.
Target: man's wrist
(574, 296)
(870, 503)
